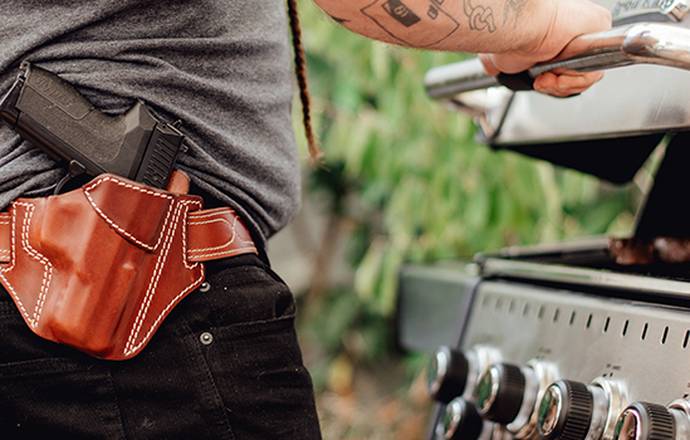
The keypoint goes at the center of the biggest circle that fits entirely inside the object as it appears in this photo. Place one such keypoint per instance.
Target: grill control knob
(452, 373)
(447, 374)
(565, 411)
(573, 411)
(461, 421)
(508, 394)
(645, 421)
(500, 393)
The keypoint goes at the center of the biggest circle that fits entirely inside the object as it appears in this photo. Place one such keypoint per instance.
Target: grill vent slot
(664, 336)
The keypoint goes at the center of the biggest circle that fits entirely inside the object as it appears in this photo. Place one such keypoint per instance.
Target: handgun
(51, 114)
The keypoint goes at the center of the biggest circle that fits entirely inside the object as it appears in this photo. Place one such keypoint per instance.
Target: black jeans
(225, 365)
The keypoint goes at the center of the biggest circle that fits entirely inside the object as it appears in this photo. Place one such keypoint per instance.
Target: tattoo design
(514, 6)
(402, 23)
(401, 13)
(481, 18)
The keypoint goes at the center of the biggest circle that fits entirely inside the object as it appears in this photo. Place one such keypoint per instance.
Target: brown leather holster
(99, 268)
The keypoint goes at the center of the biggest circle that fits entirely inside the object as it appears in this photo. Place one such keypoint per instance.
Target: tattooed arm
(518, 33)
(457, 25)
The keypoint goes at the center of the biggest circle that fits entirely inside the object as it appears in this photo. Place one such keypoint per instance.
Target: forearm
(455, 25)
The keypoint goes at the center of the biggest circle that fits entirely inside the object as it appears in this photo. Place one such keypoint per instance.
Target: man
(225, 363)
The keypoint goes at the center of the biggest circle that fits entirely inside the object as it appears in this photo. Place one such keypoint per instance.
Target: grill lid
(609, 130)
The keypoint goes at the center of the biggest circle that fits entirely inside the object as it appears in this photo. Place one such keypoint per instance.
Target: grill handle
(642, 43)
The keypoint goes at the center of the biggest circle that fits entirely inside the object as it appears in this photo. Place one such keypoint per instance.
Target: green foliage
(423, 189)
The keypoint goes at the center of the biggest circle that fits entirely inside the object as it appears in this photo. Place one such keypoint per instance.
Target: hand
(558, 25)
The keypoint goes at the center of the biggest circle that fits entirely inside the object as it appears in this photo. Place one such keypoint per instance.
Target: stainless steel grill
(573, 310)
(564, 341)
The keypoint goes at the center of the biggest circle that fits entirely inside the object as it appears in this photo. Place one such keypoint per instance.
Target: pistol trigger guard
(75, 169)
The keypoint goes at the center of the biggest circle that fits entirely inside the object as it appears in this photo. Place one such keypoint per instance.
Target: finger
(591, 76)
(570, 92)
(559, 93)
(545, 82)
(595, 77)
(551, 84)
(564, 92)
(580, 82)
(567, 82)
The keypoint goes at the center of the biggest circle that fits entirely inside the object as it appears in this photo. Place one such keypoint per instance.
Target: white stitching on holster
(170, 235)
(185, 225)
(7, 283)
(192, 286)
(226, 253)
(230, 241)
(211, 212)
(33, 253)
(105, 217)
(160, 263)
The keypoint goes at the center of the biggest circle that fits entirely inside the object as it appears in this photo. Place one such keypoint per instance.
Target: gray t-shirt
(221, 66)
